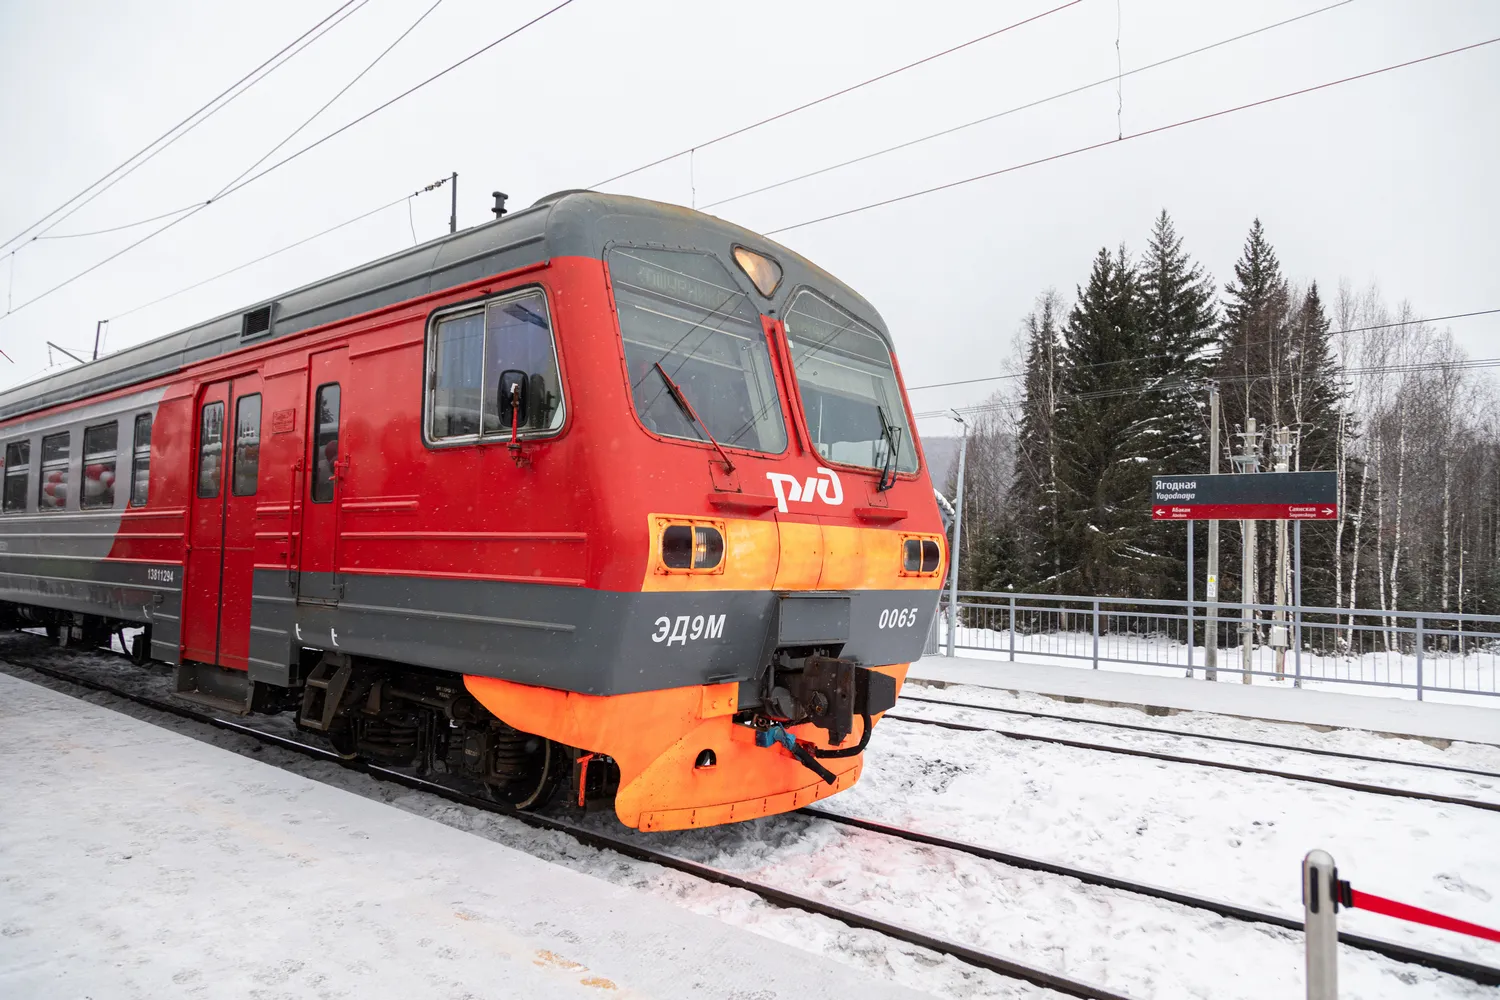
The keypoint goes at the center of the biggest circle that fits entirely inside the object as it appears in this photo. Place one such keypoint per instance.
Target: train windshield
(849, 392)
(682, 314)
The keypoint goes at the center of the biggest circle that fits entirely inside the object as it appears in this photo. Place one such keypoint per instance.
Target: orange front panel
(656, 736)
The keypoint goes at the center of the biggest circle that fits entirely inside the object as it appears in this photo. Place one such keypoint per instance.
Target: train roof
(569, 223)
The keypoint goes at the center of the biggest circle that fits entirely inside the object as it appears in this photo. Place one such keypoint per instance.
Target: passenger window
(246, 445)
(506, 351)
(140, 463)
(325, 442)
(53, 494)
(211, 450)
(99, 465)
(17, 471)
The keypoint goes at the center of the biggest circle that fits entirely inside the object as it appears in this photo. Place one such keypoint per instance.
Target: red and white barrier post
(1322, 895)
(1320, 916)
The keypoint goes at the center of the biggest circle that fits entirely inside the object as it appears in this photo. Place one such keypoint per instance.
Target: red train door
(241, 496)
(200, 591)
(226, 459)
(326, 463)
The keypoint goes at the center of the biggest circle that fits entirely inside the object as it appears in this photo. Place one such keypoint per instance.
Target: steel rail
(1202, 736)
(1484, 974)
(600, 841)
(1354, 786)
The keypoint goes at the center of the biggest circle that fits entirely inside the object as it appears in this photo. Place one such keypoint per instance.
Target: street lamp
(958, 523)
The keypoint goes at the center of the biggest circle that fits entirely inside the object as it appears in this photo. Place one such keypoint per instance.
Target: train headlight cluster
(920, 556)
(692, 547)
(760, 269)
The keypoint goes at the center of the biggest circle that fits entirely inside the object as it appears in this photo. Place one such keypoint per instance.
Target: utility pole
(453, 218)
(1211, 626)
(1283, 449)
(1248, 461)
(958, 523)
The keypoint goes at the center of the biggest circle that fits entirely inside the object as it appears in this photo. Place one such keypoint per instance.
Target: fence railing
(1410, 650)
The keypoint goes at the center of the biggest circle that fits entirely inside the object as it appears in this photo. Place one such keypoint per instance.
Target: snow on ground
(1416, 779)
(1475, 756)
(871, 953)
(138, 864)
(1473, 679)
(1214, 833)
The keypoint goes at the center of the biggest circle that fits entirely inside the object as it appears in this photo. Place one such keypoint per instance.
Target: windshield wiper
(678, 397)
(892, 438)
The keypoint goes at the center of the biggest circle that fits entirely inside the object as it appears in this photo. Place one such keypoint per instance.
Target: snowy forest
(1113, 388)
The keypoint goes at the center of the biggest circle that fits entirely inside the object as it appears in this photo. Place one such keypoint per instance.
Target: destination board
(1260, 496)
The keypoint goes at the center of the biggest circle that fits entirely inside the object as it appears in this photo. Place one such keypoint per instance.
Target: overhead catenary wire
(342, 91)
(192, 121)
(119, 228)
(837, 93)
(1159, 385)
(267, 256)
(1023, 107)
(1133, 135)
(285, 160)
(1257, 343)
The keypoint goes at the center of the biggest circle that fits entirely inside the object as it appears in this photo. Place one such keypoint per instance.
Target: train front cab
(780, 598)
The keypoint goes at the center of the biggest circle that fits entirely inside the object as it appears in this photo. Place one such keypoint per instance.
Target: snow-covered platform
(137, 862)
(1261, 700)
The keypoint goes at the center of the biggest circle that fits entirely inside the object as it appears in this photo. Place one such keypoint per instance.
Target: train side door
(221, 553)
(205, 555)
(325, 463)
(241, 495)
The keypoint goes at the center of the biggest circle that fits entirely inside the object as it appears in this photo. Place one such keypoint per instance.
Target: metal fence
(1409, 650)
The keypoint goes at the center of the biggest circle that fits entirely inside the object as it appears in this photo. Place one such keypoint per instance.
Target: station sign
(1258, 496)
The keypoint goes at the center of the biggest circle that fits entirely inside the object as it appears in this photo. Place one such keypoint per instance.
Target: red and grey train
(605, 495)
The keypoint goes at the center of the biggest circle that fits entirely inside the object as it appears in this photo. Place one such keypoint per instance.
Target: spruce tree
(1276, 364)
(1106, 432)
(1179, 318)
(1028, 559)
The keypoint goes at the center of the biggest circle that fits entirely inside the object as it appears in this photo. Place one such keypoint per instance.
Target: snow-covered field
(1206, 831)
(1472, 679)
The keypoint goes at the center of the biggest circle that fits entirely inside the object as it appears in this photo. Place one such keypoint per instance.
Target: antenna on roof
(499, 208)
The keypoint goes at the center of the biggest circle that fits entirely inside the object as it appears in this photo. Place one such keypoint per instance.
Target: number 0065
(898, 617)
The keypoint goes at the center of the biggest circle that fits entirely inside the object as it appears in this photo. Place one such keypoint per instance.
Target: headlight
(685, 546)
(920, 556)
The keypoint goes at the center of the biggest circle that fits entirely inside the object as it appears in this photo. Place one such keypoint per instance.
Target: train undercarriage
(428, 723)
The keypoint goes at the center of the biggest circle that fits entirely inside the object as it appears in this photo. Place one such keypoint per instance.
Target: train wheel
(140, 646)
(536, 775)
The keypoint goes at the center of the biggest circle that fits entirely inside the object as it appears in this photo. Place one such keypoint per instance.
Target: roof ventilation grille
(257, 322)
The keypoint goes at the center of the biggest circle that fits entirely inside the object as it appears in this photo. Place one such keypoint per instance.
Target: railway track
(1454, 966)
(1356, 786)
(773, 894)
(1212, 738)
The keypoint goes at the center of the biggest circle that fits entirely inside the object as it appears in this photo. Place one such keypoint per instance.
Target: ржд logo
(789, 489)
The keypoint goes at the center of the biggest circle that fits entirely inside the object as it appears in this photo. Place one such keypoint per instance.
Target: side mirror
(512, 401)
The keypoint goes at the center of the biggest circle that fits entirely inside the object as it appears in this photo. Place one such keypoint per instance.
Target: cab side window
(492, 370)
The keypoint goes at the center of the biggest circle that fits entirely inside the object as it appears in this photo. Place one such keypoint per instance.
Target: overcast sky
(1390, 180)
